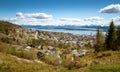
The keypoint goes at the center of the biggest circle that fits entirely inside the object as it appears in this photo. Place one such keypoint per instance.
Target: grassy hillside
(6, 26)
(12, 60)
(9, 63)
(15, 58)
(8, 32)
(104, 68)
(24, 61)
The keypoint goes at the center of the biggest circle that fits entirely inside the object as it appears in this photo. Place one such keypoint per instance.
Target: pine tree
(118, 38)
(111, 37)
(99, 41)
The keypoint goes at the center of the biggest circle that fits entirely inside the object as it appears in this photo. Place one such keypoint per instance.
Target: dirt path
(29, 61)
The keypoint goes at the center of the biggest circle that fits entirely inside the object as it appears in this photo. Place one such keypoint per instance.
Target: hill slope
(6, 26)
(9, 63)
(15, 58)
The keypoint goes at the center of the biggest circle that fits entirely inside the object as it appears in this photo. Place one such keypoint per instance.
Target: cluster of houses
(59, 53)
(64, 38)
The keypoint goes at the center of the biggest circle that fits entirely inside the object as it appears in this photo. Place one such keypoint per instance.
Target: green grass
(104, 68)
(8, 63)
(9, 49)
(100, 62)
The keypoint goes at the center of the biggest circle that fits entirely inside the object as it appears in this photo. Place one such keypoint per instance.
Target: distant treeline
(111, 41)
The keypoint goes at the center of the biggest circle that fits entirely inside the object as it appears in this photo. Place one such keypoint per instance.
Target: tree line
(110, 41)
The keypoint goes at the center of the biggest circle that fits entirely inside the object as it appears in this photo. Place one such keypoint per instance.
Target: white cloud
(30, 18)
(113, 8)
(116, 19)
(20, 15)
(46, 19)
(33, 20)
(61, 21)
(96, 18)
(34, 15)
(86, 21)
(71, 19)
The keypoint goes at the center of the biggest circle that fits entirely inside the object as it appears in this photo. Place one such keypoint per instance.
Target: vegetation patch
(104, 68)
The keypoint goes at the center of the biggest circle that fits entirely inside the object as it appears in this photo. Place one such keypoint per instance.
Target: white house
(28, 47)
(83, 53)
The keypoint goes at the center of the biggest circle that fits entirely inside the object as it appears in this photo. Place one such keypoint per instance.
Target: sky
(60, 12)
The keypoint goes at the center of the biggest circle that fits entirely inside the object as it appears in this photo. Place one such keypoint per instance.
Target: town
(63, 50)
(57, 45)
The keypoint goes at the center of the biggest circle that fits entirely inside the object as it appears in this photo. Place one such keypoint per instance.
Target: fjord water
(79, 32)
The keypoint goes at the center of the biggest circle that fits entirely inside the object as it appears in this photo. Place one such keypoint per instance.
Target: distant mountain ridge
(72, 27)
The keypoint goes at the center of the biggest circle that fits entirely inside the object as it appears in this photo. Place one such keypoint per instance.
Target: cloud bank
(116, 19)
(71, 19)
(34, 15)
(113, 8)
(47, 19)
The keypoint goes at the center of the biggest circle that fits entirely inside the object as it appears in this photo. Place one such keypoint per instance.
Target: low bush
(5, 48)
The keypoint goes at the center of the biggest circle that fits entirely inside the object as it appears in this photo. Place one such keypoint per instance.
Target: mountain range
(70, 27)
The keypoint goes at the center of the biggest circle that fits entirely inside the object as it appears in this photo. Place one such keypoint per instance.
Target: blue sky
(60, 12)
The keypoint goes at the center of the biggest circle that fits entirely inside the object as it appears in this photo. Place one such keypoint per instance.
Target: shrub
(5, 48)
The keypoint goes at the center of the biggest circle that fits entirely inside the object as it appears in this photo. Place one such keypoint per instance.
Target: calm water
(80, 32)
